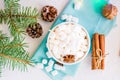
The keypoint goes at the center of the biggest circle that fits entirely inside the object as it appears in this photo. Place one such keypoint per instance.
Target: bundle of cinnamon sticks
(98, 51)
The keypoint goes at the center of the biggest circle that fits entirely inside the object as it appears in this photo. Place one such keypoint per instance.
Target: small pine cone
(110, 11)
(34, 30)
(49, 13)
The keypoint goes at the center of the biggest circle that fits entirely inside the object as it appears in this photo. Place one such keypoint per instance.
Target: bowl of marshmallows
(68, 43)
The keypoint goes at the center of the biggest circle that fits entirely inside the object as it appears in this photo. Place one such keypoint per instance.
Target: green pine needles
(12, 52)
(18, 18)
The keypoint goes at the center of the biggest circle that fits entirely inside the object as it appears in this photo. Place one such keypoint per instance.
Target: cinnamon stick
(93, 54)
(102, 47)
(97, 46)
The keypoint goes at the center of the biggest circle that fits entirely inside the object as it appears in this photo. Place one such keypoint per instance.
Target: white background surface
(112, 61)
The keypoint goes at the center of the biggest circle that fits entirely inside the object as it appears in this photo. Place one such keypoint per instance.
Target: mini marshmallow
(58, 67)
(70, 16)
(61, 33)
(74, 19)
(83, 34)
(51, 45)
(84, 48)
(77, 4)
(48, 55)
(79, 54)
(51, 62)
(63, 37)
(77, 29)
(57, 55)
(68, 19)
(85, 42)
(48, 68)
(56, 42)
(54, 73)
(44, 61)
(39, 66)
(52, 35)
(62, 45)
(63, 17)
(61, 28)
(67, 50)
(55, 49)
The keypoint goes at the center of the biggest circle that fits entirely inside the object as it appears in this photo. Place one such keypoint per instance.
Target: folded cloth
(90, 17)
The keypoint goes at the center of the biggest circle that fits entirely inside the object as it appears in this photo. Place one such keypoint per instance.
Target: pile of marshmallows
(50, 65)
(68, 39)
(69, 18)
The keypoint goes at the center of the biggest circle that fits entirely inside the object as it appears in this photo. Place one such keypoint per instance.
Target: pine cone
(49, 13)
(110, 11)
(34, 30)
(69, 58)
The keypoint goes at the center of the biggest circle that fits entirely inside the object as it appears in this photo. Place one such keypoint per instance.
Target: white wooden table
(112, 62)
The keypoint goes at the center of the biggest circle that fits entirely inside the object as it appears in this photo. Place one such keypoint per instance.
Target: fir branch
(17, 17)
(14, 29)
(0, 68)
(12, 5)
(7, 61)
(12, 53)
(15, 59)
(3, 17)
(12, 46)
(24, 16)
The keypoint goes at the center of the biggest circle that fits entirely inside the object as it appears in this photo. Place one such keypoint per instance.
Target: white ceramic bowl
(49, 50)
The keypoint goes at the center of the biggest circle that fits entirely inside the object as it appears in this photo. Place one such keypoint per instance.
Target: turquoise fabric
(90, 16)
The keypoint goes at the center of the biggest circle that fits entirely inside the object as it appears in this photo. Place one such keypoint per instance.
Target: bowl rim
(62, 61)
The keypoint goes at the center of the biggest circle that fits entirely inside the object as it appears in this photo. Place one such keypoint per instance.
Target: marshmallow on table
(51, 62)
(77, 4)
(39, 66)
(44, 61)
(48, 55)
(58, 67)
(74, 19)
(64, 17)
(54, 73)
(69, 18)
(48, 68)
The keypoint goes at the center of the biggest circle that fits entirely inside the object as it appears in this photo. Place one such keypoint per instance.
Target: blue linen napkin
(90, 17)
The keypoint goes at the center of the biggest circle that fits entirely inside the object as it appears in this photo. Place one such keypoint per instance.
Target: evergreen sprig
(12, 52)
(17, 17)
